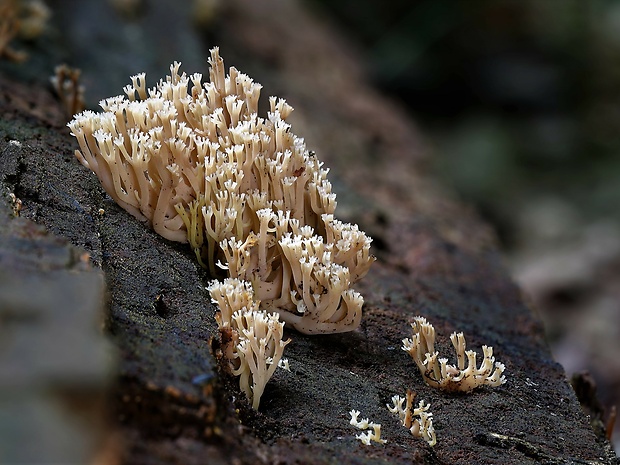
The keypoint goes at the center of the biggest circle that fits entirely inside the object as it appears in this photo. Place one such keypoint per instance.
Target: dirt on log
(171, 403)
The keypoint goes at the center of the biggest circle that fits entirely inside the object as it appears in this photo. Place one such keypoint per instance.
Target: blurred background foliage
(520, 103)
(520, 97)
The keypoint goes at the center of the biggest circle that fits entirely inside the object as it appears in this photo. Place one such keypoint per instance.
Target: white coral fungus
(420, 427)
(196, 162)
(373, 433)
(257, 346)
(438, 373)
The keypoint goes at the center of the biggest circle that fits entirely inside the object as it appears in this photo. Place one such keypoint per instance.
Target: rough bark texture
(170, 402)
(55, 363)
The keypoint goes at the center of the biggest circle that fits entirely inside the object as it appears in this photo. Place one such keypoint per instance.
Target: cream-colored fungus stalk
(256, 346)
(439, 374)
(196, 162)
(422, 426)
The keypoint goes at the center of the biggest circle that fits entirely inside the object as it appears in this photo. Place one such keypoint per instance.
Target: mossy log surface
(171, 403)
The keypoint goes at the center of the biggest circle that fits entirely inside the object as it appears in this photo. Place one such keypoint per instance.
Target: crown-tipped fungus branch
(196, 162)
(438, 373)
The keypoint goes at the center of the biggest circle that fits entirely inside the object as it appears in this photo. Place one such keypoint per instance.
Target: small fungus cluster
(422, 426)
(197, 163)
(25, 19)
(66, 84)
(438, 373)
(253, 345)
(373, 430)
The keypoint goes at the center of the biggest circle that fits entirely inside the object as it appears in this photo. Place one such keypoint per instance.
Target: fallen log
(170, 401)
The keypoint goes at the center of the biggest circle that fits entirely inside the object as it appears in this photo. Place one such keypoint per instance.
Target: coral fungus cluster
(422, 426)
(254, 346)
(197, 163)
(373, 430)
(438, 373)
